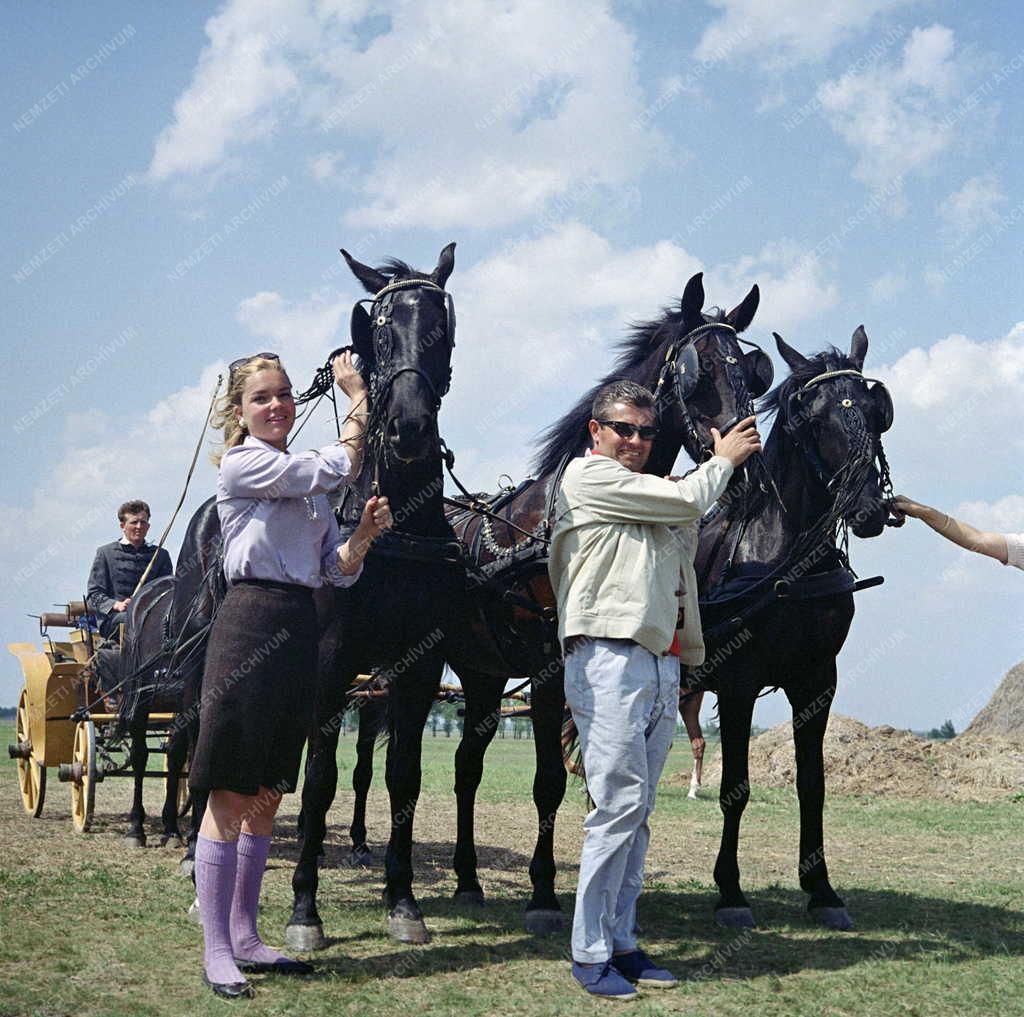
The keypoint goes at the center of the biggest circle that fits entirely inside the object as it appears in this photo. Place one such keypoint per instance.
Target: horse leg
(735, 714)
(371, 717)
(139, 756)
(305, 930)
(810, 718)
(177, 750)
(412, 696)
(547, 710)
(483, 715)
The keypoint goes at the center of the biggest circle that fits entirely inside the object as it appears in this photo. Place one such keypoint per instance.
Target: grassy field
(88, 927)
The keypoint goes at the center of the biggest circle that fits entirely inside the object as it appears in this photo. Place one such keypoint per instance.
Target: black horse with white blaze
(774, 572)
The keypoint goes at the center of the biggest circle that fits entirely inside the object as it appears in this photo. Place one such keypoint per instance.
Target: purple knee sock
(252, 862)
(216, 865)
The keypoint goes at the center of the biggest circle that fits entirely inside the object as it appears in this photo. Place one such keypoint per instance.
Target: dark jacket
(116, 571)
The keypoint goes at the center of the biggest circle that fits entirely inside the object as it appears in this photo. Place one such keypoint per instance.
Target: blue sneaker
(603, 980)
(638, 968)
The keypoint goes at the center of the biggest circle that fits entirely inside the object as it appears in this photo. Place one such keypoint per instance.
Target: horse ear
(794, 359)
(445, 264)
(743, 313)
(693, 298)
(859, 347)
(360, 331)
(372, 280)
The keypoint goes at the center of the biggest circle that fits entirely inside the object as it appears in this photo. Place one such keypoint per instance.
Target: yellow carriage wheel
(83, 783)
(31, 773)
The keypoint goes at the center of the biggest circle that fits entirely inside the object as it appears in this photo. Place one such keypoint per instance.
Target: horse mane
(395, 268)
(562, 438)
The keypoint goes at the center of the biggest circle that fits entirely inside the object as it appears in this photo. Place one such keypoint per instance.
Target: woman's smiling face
(268, 407)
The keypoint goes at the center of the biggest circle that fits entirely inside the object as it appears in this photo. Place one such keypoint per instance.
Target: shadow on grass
(680, 931)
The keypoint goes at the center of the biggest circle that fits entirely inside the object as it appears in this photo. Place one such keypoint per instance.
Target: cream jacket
(622, 550)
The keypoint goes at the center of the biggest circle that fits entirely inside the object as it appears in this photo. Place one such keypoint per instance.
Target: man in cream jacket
(621, 566)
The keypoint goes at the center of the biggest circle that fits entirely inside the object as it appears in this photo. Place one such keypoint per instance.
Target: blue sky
(179, 180)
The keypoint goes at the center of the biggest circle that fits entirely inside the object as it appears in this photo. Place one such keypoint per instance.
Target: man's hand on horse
(740, 443)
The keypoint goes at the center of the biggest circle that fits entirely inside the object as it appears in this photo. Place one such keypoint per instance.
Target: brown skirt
(258, 688)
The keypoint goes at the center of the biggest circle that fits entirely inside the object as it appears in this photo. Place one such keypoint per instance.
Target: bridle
(386, 368)
(680, 373)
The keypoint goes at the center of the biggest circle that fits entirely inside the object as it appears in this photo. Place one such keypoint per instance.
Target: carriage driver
(623, 543)
(281, 541)
(118, 567)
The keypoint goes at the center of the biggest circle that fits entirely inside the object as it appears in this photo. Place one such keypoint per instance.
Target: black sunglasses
(647, 433)
(242, 361)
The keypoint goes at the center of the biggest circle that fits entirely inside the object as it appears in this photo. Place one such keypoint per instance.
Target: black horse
(144, 688)
(161, 667)
(702, 378)
(395, 618)
(777, 592)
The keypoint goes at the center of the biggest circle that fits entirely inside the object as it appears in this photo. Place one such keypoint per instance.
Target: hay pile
(1004, 714)
(881, 760)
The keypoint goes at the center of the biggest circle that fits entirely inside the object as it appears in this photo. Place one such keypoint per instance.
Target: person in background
(1007, 548)
(621, 566)
(118, 567)
(281, 541)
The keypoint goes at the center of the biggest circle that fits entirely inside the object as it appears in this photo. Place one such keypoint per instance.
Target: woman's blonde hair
(224, 417)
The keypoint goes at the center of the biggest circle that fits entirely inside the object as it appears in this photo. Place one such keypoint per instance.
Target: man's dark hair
(620, 392)
(132, 508)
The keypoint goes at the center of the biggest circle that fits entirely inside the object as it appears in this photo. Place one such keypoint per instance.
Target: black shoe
(230, 990)
(281, 967)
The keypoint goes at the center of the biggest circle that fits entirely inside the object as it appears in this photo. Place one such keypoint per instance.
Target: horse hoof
(187, 866)
(361, 858)
(171, 839)
(193, 911)
(133, 840)
(837, 919)
(304, 938)
(735, 918)
(544, 921)
(408, 930)
(470, 898)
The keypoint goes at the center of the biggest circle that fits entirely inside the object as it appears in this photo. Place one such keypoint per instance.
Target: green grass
(88, 927)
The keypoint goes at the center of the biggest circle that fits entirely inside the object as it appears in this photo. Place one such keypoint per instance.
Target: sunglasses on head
(648, 432)
(242, 361)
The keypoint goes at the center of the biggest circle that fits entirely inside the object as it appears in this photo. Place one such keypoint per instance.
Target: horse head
(836, 416)
(404, 343)
(705, 379)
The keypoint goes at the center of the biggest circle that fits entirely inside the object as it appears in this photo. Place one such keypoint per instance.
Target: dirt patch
(1003, 716)
(866, 760)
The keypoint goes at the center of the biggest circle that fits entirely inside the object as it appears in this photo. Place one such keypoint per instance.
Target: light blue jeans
(624, 701)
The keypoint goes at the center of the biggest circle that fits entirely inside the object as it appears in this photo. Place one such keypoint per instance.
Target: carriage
(68, 721)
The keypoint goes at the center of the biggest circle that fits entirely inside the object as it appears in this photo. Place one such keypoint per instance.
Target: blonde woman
(280, 542)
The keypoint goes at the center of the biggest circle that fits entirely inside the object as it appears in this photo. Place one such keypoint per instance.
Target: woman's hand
(376, 518)
(904, 506)
(348, 379)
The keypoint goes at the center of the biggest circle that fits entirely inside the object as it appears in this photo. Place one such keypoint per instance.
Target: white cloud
(972, 208)
(327, 167)
(1004, 515)
(241, 81)
(521, 84)
(894, 115)
(782, 32)
(957, 416)
(888, 285)
(301, 332)
(794, 287)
